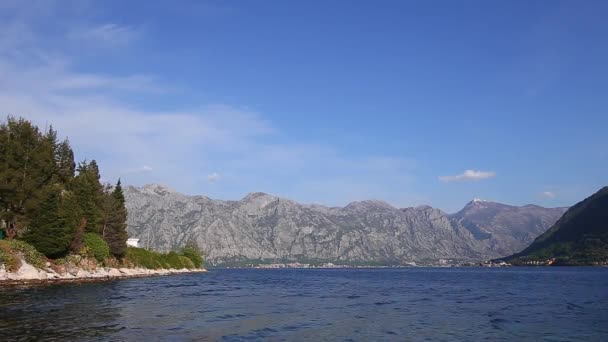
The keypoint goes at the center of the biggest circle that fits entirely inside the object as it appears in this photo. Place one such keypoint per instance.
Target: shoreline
(30, 275)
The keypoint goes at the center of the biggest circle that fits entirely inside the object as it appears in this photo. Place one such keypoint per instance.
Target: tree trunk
(11, 231)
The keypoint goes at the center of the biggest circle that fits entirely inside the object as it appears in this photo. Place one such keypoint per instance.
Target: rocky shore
(29, 275)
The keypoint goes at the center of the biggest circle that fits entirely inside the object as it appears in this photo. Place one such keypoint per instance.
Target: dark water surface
(438, 304)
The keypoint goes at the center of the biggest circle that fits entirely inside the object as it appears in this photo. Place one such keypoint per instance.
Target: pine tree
(78, 238)
(89, 194)
(26, 163)
(74, 220)
(44, 202)
(48, 231)
(115, 230)
(64, 161)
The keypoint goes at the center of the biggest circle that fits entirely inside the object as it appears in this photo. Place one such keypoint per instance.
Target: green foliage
(29, 253)
(64, 160)
(115, 226)
(8, 257)
(48, 231)
(194, 256)
(97, 246)
(89, 195)
(140, 257)
(41, 198)
(26, 169)
(78, 239)
(193, 252)
(12, 250)
(57, 207)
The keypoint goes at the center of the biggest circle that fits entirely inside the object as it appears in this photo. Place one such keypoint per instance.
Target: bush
(8, 258)
(12, 250)
(193, 252)
(141, 257)
(96, 246)
(194, 255)
(30, 254)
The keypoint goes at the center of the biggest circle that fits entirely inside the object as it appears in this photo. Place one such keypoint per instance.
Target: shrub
(194, 255)
(141, 257)
(97, 246)
(174, 260)
(29, 253)
(8, 257)
(12, 250)
(186, 262)
(193, 252)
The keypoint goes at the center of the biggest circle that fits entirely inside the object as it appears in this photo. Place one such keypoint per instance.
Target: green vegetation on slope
(96, 247)
(63, 210)
(47, 201)
(193, 252)
(12, 251)
(140, 257)
(579, 237)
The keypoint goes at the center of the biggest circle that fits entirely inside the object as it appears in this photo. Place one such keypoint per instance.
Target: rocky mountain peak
(257, 200)
(477, 204)
(369, 204)
(424, 207)
(255, 195)
(480, 202)
(157, 189)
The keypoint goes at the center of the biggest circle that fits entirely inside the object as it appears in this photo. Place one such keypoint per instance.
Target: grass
(141, 257)
(12, 251)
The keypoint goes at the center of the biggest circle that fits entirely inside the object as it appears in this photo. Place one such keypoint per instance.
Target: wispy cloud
(111, 34)
(177, 145)
(213, 177)
(143, 168)
(468, 175)
(548, 194)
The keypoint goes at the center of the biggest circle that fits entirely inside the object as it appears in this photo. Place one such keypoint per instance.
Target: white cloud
(143, 168)
(468, 175)
(548, 194)
(213, 177)
(129, 140)
(110, 34)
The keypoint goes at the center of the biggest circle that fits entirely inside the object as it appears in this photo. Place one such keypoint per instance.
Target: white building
(133, 242)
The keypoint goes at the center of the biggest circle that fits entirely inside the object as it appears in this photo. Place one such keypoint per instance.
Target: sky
(328, 102)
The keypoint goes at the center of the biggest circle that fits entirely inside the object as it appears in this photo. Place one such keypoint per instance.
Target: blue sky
(411, 102)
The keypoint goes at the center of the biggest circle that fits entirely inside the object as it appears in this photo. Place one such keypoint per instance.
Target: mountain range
(261, 228)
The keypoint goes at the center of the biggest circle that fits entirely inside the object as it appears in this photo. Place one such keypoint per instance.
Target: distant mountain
(506, 229)
(579, 237)
(261, 228)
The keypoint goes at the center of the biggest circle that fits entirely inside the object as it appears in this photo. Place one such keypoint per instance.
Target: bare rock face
(261, 227)
(506, 229)
(27, 271)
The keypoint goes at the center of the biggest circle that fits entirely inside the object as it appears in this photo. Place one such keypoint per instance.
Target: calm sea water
(438, 304)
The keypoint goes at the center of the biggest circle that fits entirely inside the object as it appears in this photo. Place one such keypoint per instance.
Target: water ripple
(555, 304)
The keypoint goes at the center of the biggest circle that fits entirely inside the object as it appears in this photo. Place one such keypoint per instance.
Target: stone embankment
(28, 274)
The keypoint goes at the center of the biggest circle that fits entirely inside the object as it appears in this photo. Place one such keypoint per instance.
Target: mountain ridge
(264, 228)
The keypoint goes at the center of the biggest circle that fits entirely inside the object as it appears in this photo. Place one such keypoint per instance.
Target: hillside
(579, 237)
